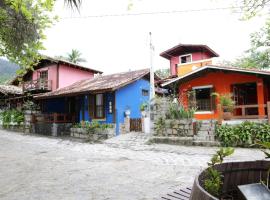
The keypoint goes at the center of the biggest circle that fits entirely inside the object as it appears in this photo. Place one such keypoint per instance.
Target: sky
(120, 43)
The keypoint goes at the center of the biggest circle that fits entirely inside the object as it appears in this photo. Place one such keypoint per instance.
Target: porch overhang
(212, 68)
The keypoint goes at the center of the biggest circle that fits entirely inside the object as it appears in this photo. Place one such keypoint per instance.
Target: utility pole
(152, 78)
(152, 86)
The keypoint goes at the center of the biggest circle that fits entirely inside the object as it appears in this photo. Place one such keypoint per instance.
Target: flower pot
(227, 115)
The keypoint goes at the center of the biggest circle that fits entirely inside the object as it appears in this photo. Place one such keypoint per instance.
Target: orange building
(250, 90)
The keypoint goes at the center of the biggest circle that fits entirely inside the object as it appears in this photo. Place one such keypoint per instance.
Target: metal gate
(136, 124)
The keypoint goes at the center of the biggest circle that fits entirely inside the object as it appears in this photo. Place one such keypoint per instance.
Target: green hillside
(7, 70)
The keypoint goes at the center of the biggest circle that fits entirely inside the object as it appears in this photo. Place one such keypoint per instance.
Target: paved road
(36, 167)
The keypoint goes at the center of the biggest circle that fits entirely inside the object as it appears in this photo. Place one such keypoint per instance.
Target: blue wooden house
(104, 98)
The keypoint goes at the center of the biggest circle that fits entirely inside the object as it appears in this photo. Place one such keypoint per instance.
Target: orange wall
(222, 84)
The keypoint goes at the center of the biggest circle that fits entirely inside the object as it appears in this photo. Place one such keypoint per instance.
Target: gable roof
(46, 59)
(216, 68)
(71, 64)
(10, 89)
(182, 49)
(98, 84)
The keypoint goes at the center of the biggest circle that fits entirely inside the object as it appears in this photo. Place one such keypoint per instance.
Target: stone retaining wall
(176, 128)
(97, 136)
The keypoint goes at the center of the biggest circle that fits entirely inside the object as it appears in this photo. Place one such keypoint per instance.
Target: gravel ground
(36, 167)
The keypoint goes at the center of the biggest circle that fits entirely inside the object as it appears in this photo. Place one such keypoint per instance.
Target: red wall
(222, 84)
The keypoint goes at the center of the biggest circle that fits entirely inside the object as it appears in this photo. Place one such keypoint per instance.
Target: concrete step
(204, 137)
(205, 132)
(207, 128)
(206, 143)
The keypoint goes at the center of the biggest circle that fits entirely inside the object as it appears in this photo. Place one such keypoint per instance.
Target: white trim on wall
(204, 112)
(184, 56)
(202, 87)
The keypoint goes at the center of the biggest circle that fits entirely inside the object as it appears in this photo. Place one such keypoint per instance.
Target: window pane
(99, 99)
(99, 111)
(145, 92)
(203, 99)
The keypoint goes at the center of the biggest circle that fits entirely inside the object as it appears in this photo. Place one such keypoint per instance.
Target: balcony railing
(38, 85)
(54, 118)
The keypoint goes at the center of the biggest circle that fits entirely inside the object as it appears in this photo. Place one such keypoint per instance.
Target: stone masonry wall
(169, 127)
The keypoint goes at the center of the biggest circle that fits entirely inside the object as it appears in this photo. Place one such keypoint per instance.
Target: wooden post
(54, 117)
(220, 118)
(268, 111)
(243, 111)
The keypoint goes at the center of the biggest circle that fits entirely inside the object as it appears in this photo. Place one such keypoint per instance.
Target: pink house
(184, 57)
(51, 74)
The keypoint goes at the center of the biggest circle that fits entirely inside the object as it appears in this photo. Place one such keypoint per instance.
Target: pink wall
(195, 57)
(200, 56)
(173, 62)
(52, 74)
(69, 75)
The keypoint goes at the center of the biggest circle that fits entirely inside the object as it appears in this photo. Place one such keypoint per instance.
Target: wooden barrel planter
(235, 173)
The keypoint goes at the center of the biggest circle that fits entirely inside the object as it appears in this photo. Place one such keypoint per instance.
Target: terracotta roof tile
(98, 84)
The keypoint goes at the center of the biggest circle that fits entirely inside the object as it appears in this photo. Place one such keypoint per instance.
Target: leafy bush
(160, 124)
(244, 134)
(177, 111)
(93, 126)
(9, 117)
(213, 181)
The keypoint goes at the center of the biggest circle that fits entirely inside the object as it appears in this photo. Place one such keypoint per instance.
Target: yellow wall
(186, 68)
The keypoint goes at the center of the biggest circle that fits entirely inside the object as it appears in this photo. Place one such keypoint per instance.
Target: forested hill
(7, 70)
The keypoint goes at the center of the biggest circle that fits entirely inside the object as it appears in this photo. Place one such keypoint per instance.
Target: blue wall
(85, 105)
(130, 97)
(54, 105)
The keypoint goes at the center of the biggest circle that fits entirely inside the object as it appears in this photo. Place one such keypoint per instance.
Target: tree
(22, 25)
(258, 56)
(251, 8)
(75, 56)
(163, 73)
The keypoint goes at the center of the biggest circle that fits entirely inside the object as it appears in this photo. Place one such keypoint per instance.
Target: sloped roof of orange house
(98, 84)
(199, 71)
(181, 49)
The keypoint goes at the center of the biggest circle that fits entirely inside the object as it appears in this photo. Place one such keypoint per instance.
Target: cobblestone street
(124, 167)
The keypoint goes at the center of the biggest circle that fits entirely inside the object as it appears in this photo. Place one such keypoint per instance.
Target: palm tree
(75, 56)
(74, 3)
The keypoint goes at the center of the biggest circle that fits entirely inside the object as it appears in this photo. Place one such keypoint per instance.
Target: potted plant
(143, 108)
(226, 103)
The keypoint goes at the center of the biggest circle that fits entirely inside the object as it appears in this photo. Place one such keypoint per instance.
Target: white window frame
(203, 87)
(185, 56)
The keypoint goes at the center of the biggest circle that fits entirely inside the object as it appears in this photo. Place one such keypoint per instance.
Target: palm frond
(74, 3)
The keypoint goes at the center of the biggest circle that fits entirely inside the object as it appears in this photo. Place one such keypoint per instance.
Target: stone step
(205, 137)
(206, 143)
(207, 128)
(205, 132)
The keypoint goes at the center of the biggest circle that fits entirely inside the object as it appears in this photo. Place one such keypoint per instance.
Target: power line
(152, 13)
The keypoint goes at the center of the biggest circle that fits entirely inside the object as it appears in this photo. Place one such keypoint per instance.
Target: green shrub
(176, 111)
(213, 181)
(93, 126)
(244, 134)
(12, 116)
